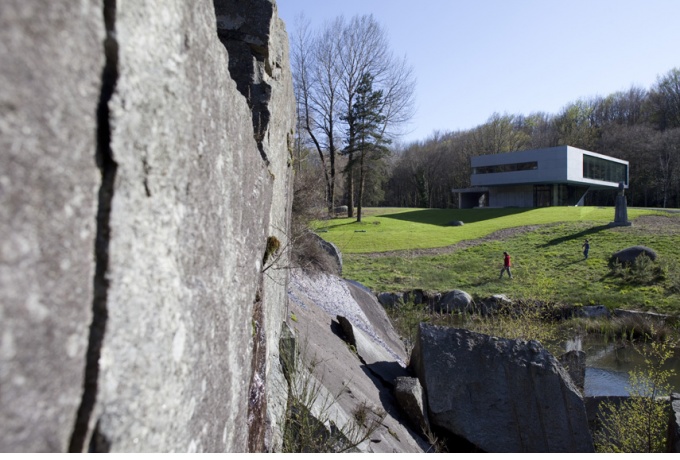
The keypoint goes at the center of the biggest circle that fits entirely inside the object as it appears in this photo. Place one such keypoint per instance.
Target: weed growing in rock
(313, 413)
(638, 424)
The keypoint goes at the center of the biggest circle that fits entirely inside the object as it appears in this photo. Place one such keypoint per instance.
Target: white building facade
(556, 176)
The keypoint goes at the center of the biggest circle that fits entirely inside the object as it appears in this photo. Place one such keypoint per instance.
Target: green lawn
(398, 229)
(547, 261)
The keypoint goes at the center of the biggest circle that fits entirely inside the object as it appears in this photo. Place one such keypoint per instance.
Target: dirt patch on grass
(499, 235)
(656, 225)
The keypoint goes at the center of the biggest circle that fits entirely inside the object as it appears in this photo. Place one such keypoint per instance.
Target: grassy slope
(547, 262)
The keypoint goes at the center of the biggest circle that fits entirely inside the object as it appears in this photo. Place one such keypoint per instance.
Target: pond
(608, 364)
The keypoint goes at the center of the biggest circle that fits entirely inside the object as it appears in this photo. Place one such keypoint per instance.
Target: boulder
(330, 249)
(421, 297)
(455, 223)
(341, 209)
(492, 303)
(673, 438)
(455, 301)
(390, 299)
(501, 395)
(411, 398)
(593, 311)
(627, 256)
(574, 362)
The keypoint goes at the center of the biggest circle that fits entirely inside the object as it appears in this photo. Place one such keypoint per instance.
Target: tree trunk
(350, 186)
(361, 186)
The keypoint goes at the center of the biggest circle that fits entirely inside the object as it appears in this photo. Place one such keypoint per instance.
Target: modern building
(556, 176)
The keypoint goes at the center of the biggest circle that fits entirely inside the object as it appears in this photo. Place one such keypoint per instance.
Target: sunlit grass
(547, 261)
(398, 229)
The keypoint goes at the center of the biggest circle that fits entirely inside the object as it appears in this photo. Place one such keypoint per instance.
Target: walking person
(586, 248)
(506, 265)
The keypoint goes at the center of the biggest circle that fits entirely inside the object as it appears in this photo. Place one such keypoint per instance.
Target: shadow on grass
(572, 262)
(442, 217)
(575, 236)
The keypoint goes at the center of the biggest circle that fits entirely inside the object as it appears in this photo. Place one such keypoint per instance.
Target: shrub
(639, 423)
(308, 205)
(643, 271)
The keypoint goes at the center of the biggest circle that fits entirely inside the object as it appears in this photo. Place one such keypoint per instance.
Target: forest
(640, 125)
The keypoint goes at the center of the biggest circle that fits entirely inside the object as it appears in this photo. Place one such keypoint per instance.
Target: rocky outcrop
(141, 185)
(353, 383)
(50, 84)
(500, 395)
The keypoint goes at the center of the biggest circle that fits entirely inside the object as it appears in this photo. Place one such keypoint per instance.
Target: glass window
(605, 170)
(528, 166)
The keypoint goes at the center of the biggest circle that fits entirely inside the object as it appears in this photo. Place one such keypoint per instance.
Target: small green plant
(273, 245)
(311, 421)
(642, 271)
(639, 423)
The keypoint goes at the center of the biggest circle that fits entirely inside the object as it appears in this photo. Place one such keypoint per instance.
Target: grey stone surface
(192, 210)
(51, 59)
(620, 209)
(492, 303)
(390, 299)
(501, 395)
(412, 400)
(371, 353)
(330, 249)
(628, 255)
(673, 436)
(593, 311)
(455, 301)
(642, 315)
(574, 362)
(196, 178)
(315, 302)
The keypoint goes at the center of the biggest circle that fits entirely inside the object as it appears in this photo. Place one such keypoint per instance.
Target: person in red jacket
(506, 265)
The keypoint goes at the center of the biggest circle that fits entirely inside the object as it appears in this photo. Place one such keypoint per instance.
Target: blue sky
(474, 58)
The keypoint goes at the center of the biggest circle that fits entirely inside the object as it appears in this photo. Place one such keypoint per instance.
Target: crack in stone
(107, 167)
(244, 32)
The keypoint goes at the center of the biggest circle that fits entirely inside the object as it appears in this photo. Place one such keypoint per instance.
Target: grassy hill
(402, 249)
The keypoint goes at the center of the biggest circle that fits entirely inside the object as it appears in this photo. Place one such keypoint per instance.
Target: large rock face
(144, 140)
(501, 395)
(50, 78)
(349, 380)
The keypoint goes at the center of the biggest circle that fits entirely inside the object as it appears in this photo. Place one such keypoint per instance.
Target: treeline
(638, 125)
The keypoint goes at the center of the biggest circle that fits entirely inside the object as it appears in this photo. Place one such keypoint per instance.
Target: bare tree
(334, 60)
(665, 100)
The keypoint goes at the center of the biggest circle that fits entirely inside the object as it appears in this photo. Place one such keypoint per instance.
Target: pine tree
(366, 143)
